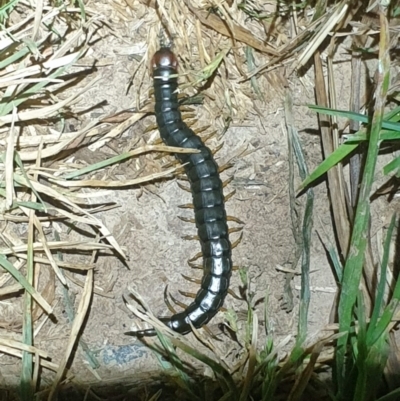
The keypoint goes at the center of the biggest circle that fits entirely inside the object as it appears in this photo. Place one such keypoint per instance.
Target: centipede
(206, 187)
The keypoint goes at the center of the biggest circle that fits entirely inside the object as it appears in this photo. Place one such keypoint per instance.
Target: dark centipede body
(208, 198)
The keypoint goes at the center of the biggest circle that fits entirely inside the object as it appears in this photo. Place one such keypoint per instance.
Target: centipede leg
(234, 219)
(229, 196)
(166, 300)
(177, 302)
(187, 294)
(184, 187)
(191, 279)
(190, 237)
(231, 292)
(235, 230)
(218, 148)
(226, 166)
(227, 181)
(237, 242)
(195, 265)
(187, 220)
(186, 206)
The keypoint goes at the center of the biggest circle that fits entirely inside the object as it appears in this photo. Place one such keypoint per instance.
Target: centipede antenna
(163, 39)
(190, 237)
(229, 196)
(184, 187)
(237, 242)
(235, 219)
(187, 294)
(142, 333)
(191, 279)
(235, 230)
(227, 181)
(187, 219)
(234, 295)
(166, 300)
(186, 206)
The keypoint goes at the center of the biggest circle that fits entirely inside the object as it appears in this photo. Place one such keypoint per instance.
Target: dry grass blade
(338, 204)
(18, 353)
(57, 245)
(236, 32)
(91, 220)
(148, 316)
(28, 287)
(75, 330)
(116, 184)
(73, 140)
(6, 342)
(9, 165)
(333, 19)
(118, 130)
(48, 111)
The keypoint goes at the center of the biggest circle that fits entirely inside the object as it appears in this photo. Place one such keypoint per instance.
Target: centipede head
(164, 58)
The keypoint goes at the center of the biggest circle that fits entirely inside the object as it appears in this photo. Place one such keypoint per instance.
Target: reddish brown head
(164, 58)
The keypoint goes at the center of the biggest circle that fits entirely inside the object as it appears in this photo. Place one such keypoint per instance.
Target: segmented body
(208, 198)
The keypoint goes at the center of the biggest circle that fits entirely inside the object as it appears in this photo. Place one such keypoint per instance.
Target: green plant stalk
(362, 352)
(354, 263)
(294, 143)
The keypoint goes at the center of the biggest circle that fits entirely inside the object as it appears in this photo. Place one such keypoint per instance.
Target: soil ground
(146, 223)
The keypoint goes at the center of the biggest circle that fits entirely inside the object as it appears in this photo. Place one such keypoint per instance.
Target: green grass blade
(250, 68)
(385, 135)
(334, 158)
(82, 8)
(6, 105)
(378, 304)
(361, 381)
(218, 369)
(392, 396)
(387, 316)
(306, 229)
(30, 205)
(393, 165)
(354, 263)
(6, 9)
(19, 163)
(391, 125)
(336, 263)
(18, 55)
(374, 366)
(7, 265)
